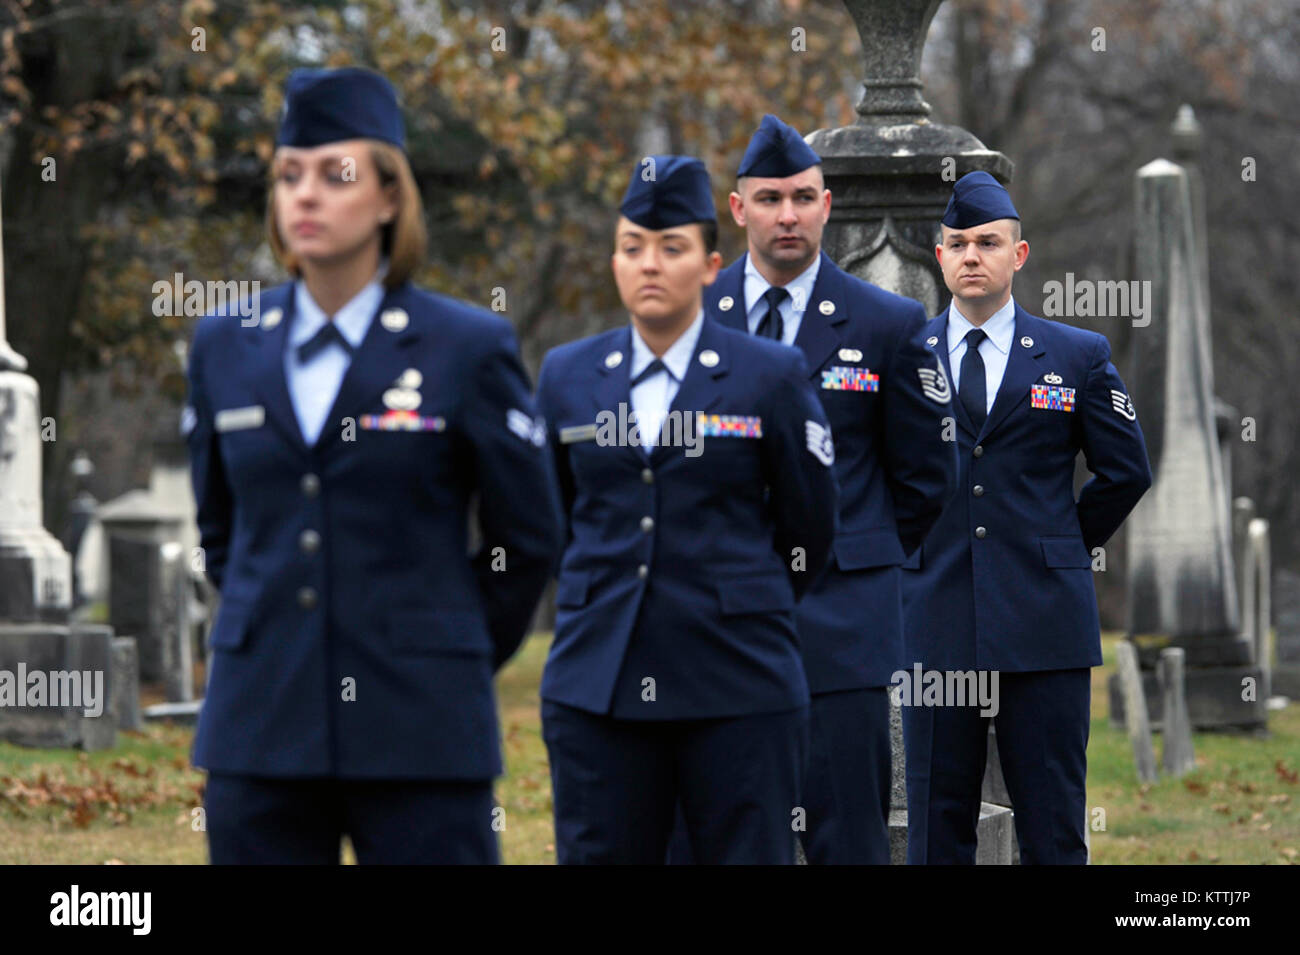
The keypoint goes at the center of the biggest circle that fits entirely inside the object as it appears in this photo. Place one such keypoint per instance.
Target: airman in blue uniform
(695, 468)
(896, 466)
(1003, 583)
(337, 442)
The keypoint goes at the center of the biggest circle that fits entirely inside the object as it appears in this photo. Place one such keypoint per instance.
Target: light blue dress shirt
(313, 386)
(791, 308)
(994, 350)
(652, 397)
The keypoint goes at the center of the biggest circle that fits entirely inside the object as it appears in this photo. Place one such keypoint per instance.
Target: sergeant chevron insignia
(934, 384)
(820, 444)
(1123, 405)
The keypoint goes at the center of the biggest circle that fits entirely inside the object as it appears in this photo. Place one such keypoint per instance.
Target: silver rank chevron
(1122, 404)
(935, 384)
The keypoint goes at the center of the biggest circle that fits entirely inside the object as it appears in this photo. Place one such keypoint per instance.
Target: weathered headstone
(1286, 617)
(1135, 712)
(126, 684)
(1178, 756)
(54, 678)
(1261, 603)
(1182, 583)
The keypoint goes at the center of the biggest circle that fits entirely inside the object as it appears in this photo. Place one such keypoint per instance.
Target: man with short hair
(886, 401)
(1004, 582)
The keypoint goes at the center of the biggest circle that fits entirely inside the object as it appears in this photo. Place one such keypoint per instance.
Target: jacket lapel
(613, 383)
(819, 333)
(267, 345)
(729, 285)
(1023, 369)
(702, 387)
(939, 329)
(375, 367)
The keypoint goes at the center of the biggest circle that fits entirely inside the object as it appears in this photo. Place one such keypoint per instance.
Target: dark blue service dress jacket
(682, 568)
(1004, 581)
(357, 635)
(895, 461)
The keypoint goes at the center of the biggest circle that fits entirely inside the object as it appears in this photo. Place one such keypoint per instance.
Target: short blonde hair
(404, 239)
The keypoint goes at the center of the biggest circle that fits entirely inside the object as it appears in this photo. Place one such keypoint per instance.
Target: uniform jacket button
(643, 571)
(979, 451)
(647, 524)
(310, 484)
(978, 490)
(648, 476)
(307, 598)
(980, 532)
(309, 541)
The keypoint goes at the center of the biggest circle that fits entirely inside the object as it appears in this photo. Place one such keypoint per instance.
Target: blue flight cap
(666, 191)
(325, 106)
(776, 151)
(977, 198)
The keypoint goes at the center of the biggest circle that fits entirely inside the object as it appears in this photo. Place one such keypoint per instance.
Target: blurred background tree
(524, 118)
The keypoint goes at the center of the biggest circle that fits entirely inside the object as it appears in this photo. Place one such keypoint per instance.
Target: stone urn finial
(893, 35)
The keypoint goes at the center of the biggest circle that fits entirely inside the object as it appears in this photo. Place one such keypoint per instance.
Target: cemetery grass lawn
(134, 804)
(1240, 805)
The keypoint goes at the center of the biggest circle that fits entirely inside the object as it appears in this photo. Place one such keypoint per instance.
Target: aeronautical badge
(1051, 397)
(729, 426)
(844, 378)
(188, 420)
(820, 444)
(614, 359)
(709, 358)
(394, 319)
(411, 378)
(525, 427)
(850, 354)
(1123, 405)
(272, 318)
(1052, 378)
(726, 302)
(932, 340)
(826, 307)
(934, 384)
(402, 399)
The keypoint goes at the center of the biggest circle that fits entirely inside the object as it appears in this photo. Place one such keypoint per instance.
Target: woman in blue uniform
(341, 442)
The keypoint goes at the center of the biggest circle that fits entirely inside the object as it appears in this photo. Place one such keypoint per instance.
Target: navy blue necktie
(973, 391)
(771, 326)
(329, 332)
(653, 368)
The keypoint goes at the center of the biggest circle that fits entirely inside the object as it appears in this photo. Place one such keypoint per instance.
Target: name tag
(1051, 398)
(729, 426)
(843, 378)
(240, 419)
(578, 432)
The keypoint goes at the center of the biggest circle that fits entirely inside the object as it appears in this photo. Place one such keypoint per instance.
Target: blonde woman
(340, 445)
